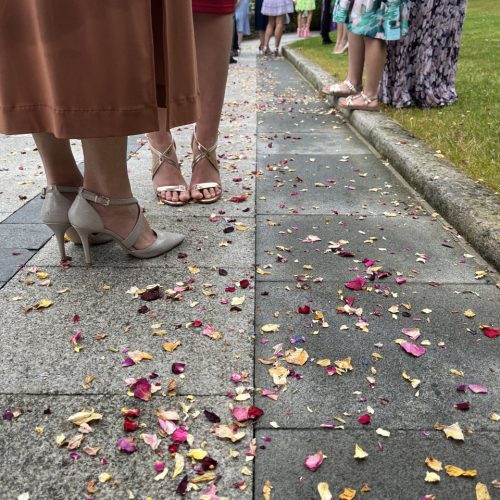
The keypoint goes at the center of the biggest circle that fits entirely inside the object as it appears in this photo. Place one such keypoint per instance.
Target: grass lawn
(468, 132)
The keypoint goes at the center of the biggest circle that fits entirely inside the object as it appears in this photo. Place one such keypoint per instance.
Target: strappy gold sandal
(336, 89)
(348, 102)
(165, 158)
(208, 154)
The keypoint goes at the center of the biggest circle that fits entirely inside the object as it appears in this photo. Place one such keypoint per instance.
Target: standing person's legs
(308, 22)
(213, 41)
(271, 23)
(278, 31)
(375, 54)
(326, 21)
(356, 59)
(341, 42)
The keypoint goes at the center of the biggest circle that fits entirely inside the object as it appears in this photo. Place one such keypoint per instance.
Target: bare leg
(309, 19)
(341, 41)
(106, 174)
(262, 35)
(299, 24)
(271, 23)
(58, 161)
(240, 39)
(167, 174)
(278, 32)
(213, 34)
(375, 53)
(356, 59)
(344, 39)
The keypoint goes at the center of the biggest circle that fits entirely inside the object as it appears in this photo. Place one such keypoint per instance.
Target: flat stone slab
(344, 142)
(394, 468)
(30, 236)
(299, 120)
(329, 184)
(11, 260)
(456, 343)
(414, 247)
(40, 356)
(35, 464)
(29, 213)
(206, 245)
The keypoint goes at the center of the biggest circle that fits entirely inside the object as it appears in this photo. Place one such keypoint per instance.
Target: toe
(197, 195)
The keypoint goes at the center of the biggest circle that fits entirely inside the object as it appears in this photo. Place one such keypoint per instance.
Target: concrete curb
(470, 207)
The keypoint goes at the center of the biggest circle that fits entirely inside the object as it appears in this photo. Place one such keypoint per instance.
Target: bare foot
(205, 171)
(168, 172)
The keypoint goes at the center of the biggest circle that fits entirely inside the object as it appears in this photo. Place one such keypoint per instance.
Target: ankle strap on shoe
(104, 200)
(61, 189)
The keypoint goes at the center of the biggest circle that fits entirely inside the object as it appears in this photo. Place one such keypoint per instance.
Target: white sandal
(338, 91)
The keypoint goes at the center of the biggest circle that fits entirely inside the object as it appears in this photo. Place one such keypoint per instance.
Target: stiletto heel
(84, 237)
(59, 230)
(55, 215)
(86, 221)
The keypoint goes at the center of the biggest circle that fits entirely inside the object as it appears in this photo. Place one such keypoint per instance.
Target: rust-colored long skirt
(96, 68)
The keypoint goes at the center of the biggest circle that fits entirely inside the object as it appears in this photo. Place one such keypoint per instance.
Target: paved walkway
(255, 306)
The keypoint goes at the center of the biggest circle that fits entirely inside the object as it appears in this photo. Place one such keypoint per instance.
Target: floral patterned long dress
(383, 19)
(421, 69)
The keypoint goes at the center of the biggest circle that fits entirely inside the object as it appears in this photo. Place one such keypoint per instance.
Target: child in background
(304, 9)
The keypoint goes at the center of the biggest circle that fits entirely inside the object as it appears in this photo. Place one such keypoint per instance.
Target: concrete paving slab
(455, 343)
(39, 357)
(30, 236)
(35, 464)
(417, 248)
(11, 260)
(394, 469)
(29, 213)
(206, 244)
(4, 215)
(328, 184)
(295, 120)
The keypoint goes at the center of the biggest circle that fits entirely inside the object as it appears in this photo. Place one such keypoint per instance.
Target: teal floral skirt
(383, 19)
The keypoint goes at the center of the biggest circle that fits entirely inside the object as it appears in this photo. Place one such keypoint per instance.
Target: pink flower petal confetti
(356, 284)
(413, 349)
(490, 332)
(312, 462)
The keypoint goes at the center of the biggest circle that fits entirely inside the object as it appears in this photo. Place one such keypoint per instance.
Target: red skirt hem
(213, 6)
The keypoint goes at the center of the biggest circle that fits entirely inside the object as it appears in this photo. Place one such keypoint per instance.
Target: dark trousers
(326, 19)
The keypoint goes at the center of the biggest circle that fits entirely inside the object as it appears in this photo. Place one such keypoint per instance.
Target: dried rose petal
(197, 323)
(463, 406)
(142, 389)
(312, 462)
(127, 444)
(400, 281)
(128, 362)
(490, 332)
(131, 412)
(478, 389)
(304, 310)
(150, 295)
(180, 435)
(173, 448)
(130, 425)
(211, 417)
(254, 413)
(178, 368)
(462, 388)
(182, 487)
(356, 284)
(8, 415)
(244, 283)
(208, 463)
(159, 467)
(413, 349)
(365, 419)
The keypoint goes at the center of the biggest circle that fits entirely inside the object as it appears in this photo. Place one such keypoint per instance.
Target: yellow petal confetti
(359, 452)
(246, 471)
(324, 362)
(279, 374)
(458, 373)
(84, 416)
(262, 272)
(344, 364)
(179, 465)
(469, 313)
(208, 476)
(382, 432)
(270, 328)
(60, 439)
(454, 431)
(237, 301)
(197, 454)
(453, 471)
(266, 490)
(495, 417)
(194, 269)
(171, 346)
(482, 492)
(43, 304)
(226, 432)
(434, 464)
(432, 477)
(297, 357)
(161, 475)
(347, 494)
(104, 477)
(42, 275)
(324, 491)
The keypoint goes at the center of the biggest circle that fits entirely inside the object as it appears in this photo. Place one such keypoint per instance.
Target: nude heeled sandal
(165, 158)
(86, 220)
(55, 215)
(208, 154)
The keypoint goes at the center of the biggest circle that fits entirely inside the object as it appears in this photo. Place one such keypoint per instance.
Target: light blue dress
(242, 15)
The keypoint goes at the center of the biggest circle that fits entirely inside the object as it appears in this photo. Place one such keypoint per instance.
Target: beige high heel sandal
(165, 158)
(208, 154)
(55, 215)
(86, 220)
